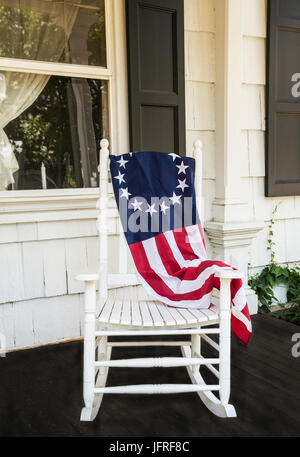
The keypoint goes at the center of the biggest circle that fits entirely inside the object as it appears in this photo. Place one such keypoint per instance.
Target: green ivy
(273, 274)
(291, 314)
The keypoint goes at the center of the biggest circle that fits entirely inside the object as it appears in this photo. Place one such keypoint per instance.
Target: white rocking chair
(129, 311)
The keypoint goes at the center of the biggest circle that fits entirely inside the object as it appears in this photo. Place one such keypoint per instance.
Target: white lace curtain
(49, 26)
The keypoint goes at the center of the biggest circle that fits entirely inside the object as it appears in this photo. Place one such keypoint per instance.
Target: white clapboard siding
(253, 112)
(66, 229)
(254, 18)
(54, 259)
(254, 51)
(199, 95)
(256, 147)
(11, 277)
(28, 231)
(33, 270)
(76, 261)
(92, 248)
(41, 321)
(8, 233)
(200, 15)
(24, 328)
(56, 318)
(7, 327)
(200, 44)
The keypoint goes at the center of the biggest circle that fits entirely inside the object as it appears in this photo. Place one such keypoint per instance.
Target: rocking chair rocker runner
(126, 310)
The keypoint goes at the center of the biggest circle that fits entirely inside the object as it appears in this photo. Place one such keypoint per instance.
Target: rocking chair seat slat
(122, 310)
(126, 313)
(180, 320)
(146, 316)
(200, 316)
(156, 316)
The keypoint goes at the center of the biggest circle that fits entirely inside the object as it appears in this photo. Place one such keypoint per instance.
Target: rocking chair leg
(225, 329)
(89, 349)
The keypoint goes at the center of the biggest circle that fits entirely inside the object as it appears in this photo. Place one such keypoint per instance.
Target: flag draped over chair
(157, 204)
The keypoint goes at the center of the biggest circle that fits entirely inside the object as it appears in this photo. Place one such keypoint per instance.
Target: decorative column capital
(232, 234)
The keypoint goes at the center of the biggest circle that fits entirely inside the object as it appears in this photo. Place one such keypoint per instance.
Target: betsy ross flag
(156, 198)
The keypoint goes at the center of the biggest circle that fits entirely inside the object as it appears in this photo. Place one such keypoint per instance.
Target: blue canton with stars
(154, 192)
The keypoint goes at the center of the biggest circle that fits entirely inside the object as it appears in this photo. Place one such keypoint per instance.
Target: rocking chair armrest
(229, 274)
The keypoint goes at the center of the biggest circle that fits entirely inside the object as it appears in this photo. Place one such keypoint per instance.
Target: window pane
(56, 135)
(70, 31)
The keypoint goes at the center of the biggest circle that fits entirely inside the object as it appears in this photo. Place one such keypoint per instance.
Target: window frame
(37, 200)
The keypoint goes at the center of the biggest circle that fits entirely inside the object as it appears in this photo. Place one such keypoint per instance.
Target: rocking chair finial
(104, 143)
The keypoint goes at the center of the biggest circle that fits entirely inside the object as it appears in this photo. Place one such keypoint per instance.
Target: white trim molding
(50, 205)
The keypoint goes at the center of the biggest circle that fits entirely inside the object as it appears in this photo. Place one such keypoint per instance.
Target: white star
(120, 177)
(122, 162)
(173, 155)
(181, 168)
(125, 193)
(175, 199)
(136, 205)
(182, 184)
(164, 207)
(151, 209)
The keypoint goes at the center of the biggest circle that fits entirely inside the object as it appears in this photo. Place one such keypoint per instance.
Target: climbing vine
(274, 274)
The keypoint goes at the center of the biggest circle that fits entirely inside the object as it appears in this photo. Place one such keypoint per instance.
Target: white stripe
(195, 240)
(203, 302)
(241, 317)
(239, 299)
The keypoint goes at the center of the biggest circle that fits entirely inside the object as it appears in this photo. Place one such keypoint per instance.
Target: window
(55, 141)
(283, 99)
(58, 90)
(70, 31)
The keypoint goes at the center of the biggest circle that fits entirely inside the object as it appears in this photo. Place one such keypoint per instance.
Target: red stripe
(182, 240)
(166, 255)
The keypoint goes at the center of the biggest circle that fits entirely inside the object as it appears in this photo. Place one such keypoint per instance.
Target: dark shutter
(155, 42)
(283, 117)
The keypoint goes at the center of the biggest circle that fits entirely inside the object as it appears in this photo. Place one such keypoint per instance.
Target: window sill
(21, 206)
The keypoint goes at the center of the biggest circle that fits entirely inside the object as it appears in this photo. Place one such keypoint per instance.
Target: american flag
(156, 198)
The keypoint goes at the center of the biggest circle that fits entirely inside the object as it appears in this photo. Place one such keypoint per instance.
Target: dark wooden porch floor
(40, 393)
